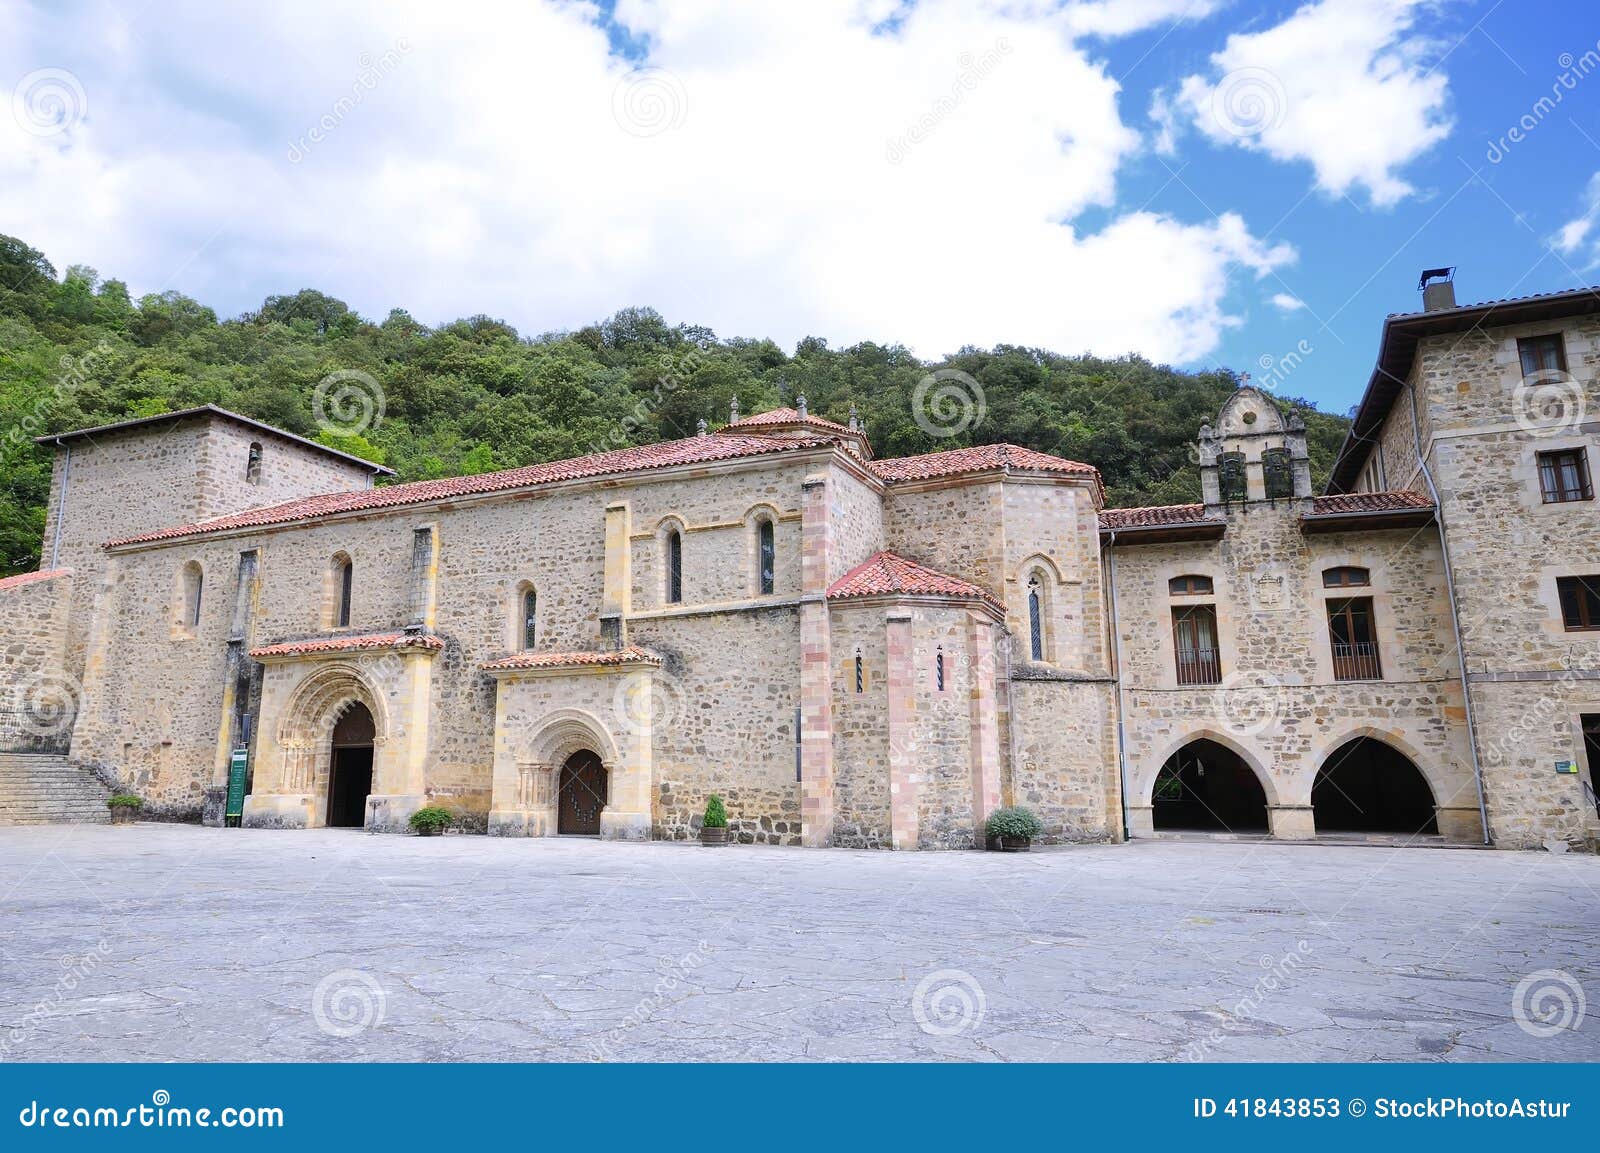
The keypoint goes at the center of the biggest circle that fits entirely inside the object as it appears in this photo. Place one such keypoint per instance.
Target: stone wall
(37, 694)
(1531, 679)
(1279, 705)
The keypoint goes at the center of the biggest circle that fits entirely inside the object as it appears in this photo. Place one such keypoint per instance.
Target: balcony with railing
(1357, 662)
(1199, 667)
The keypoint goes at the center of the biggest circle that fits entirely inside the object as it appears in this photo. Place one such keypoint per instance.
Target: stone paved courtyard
(174, 942)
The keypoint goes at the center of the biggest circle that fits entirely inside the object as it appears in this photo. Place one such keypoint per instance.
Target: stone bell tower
(1254, 454)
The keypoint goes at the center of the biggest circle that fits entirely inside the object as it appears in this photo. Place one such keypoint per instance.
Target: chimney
(1438, 288)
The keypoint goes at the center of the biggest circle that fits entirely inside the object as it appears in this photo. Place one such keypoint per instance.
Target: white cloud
(1577, 237)
(1287, 303)
(1339, 84)
(811, 175)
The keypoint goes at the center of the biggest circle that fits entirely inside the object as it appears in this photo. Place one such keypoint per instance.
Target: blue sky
(1203, 181)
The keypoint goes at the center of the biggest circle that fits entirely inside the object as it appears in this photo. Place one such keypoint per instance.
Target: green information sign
(238, 763)
(1566, 767)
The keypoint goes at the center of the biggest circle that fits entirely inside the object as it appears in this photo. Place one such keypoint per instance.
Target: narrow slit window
(674, 567)
(530, 618)
(347, 574)
(252, 466)
(766, 557)
(1035, 620)
(938, 669)
(860, 678)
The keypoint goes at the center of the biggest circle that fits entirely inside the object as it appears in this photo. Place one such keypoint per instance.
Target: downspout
(1116, 658)
(1455, 615)
(61, 505)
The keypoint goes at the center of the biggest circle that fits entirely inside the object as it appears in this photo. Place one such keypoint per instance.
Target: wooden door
(583, 794)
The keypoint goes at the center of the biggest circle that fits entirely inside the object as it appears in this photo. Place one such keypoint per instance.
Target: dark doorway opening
(1208, 787)
(350, 771)
(1368, 787)
(583, 794)
(1591, 752)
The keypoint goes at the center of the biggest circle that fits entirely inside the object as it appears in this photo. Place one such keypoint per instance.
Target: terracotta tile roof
(887, 574)
(1153, 516)
(29, 578)
(1358, 502)
(352, 643)
(694, 450)
(632, 655)
(979, 458)
(785, 416)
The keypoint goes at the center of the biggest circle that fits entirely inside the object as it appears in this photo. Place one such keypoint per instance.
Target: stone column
(399, 757)
(631, 786)
(1291, 822)
(816, 673)
(985, 724)
(903, 751)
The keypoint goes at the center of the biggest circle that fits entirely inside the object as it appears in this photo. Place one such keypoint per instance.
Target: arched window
(252, 467)
(860, 679)
(529, 604)
(1190, 584)
(191, 590)
(342, 590)
(1346, 577)
(938, 669)
(766, 557)
(674, 567)
(1035, 619)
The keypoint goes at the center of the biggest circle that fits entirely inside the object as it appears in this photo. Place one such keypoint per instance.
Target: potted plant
(431, 820)
(124, 807)
(1013, 828)
(714, 826)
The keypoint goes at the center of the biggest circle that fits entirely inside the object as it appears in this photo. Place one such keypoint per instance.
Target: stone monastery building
(852, 651)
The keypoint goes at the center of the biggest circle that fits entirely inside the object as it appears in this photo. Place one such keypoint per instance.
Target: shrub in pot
(714, 826)
(124, 807)
(1013, 828)
(430, 821)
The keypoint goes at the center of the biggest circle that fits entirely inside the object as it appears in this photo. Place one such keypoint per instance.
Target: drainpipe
(1116, 649)
(61, 505)
(1455, 614)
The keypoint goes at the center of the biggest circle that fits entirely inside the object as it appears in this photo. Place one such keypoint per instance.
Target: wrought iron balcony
(1199, 667)
(1357, 662)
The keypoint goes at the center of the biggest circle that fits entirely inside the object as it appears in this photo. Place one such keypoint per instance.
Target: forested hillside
(476, 395)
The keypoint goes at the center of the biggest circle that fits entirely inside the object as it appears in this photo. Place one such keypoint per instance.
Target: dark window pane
(1035, 627)
(530, 616)
(768, 559)
(346, 588)
(1194, 634)
(674, 567)
(1580, 602)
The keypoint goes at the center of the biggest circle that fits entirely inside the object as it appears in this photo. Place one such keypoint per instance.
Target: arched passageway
(582, 794)
(1367, 786)
(1208, 787)
(350, 767)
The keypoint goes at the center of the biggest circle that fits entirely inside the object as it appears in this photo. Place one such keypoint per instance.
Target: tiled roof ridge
(352, 642)
(29, 578)
(582, 658)
(887, 573)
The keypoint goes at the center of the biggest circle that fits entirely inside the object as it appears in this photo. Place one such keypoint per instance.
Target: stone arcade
(853, 651)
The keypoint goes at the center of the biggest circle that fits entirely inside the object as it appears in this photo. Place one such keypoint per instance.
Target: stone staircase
(46, 789)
